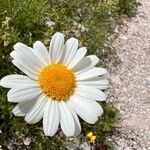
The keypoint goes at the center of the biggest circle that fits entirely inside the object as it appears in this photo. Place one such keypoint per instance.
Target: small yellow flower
(90, 134)
(93, 139)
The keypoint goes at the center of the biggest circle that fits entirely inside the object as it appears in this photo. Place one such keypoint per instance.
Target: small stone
(147, 81)
(27, 141)
(85, 146)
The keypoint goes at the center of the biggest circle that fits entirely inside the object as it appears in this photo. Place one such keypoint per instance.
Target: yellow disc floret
(57, 81)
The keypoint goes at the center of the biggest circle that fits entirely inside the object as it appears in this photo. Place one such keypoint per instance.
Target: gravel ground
(130, 82)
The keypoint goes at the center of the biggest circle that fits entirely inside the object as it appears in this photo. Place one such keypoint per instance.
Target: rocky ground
(130, 82)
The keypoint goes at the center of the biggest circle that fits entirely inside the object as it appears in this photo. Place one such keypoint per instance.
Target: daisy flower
(59, 85)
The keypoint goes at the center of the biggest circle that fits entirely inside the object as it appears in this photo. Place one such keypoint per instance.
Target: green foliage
(27, 21)
(127, 7)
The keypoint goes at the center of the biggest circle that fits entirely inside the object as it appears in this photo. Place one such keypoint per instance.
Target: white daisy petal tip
(58, 34)
(23, 92)
(37, 42)
(21, 109)
(102, 99)
(2, 83)
(81, 52)
(14, 46)
(37, 111)
(56, 48)
(41, 51)
(12, 54)
(18, 45)
(95, 60)
(66, 120)
(74, 40)
(51, 118)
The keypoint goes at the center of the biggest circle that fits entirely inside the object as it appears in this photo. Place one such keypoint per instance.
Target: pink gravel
(130, 82)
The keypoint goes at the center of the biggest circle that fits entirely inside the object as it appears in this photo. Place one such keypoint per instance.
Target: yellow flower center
(57, 82)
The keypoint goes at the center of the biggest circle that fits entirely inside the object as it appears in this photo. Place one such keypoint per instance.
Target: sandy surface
(130, 82)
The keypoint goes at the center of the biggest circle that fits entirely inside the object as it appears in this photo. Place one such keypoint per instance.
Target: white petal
(78, 56)
(77, 124)
(37, 111)
(94, 81)
(94, 72)
(90, 92)
(66, 120)
(23, 92)
(27, 64)
(27, 55)
(56, 47)
(83, 65)
(88, 110)
(25, 70)
(22, 108)
(97, 82)
(51, 118)
(10, 81)
(41, 51)
(71, 46)
(102, 87)
(94, 59)
(86, 63)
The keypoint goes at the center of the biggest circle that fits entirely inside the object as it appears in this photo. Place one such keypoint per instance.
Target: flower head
(59, 85)
(90, 134)
(91, 137)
